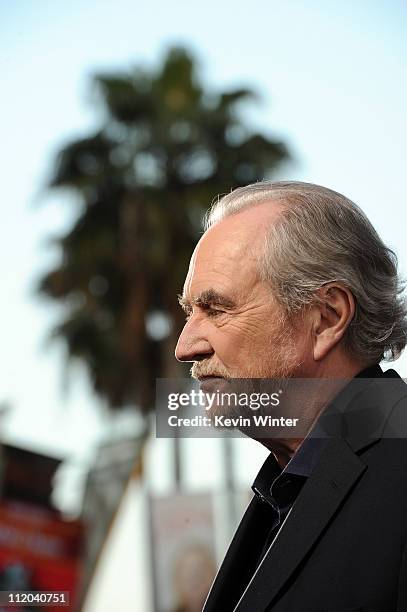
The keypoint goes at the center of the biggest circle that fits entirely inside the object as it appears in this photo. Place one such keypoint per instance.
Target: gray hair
(321, 237)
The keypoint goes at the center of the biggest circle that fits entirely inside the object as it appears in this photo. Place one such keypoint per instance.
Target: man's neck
(282, 449)
(340, 374)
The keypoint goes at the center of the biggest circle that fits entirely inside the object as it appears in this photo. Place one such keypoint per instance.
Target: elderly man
(291, 281)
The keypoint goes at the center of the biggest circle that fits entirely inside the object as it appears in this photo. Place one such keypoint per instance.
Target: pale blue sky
(332, 76)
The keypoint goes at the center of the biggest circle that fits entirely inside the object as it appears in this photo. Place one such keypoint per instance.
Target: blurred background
(120, 123)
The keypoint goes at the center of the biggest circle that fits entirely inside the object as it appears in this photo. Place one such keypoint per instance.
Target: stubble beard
(269, 372)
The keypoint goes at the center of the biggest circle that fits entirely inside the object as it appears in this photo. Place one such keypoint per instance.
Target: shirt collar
(306, 457)
(301, 464)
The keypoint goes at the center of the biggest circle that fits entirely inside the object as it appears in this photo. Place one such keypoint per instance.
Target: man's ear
(331, 317)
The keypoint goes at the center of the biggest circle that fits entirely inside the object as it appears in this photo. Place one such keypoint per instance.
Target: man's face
(235, 328)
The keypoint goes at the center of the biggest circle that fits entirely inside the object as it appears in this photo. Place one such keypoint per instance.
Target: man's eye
(213, 312)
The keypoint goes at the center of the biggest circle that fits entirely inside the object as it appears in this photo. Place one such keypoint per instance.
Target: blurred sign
(183, 551)
(38, 550)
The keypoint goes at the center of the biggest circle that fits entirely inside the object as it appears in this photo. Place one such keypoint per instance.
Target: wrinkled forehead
(227, 255)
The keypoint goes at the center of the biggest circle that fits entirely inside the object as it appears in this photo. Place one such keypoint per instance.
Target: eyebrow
(208, 297)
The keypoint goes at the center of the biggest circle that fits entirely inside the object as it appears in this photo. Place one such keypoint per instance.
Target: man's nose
(192, 346)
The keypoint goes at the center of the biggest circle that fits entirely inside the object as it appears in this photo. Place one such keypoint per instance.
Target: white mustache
(199, 372)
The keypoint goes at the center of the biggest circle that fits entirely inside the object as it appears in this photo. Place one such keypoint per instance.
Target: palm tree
(164, 148)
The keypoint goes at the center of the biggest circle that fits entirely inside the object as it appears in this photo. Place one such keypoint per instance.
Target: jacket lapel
(233, 574)
(356, 420)
(337, 471)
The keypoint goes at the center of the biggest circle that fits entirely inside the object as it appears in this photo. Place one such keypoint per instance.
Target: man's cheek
(245, 330)
(229, 351)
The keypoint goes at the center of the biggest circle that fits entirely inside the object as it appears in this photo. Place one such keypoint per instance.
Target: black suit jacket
(343, 547)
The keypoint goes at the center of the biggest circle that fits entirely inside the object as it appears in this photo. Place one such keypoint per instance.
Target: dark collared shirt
(279, 488)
